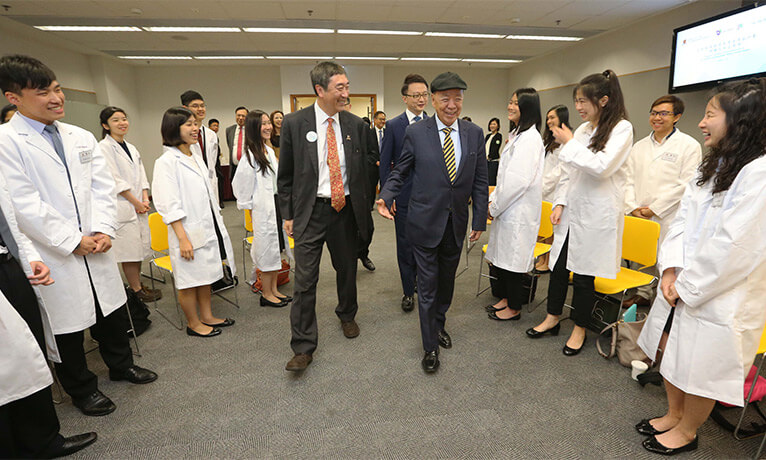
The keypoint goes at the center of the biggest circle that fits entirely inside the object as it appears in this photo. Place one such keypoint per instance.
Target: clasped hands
(668, 286)
(99, 242)
(643, 212)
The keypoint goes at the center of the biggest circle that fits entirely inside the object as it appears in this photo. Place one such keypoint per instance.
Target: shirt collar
(655, 141)
(441, 125)
(411, 115)
(36, 125)
(321, 116)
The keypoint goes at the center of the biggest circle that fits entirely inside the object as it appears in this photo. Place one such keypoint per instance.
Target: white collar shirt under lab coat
(658, 172)
(323, 173)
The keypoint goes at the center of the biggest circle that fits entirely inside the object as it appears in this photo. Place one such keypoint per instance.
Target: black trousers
(110, 332)
(583, 297)
(404, 252)
(29, 426)
(339, 231)
(512, 288)
(436, 269)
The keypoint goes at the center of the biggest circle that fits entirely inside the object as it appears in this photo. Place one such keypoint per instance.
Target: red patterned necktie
(337, 195)
(239, 144)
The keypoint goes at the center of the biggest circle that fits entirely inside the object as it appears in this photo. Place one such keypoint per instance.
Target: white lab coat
(657, 175)
(27, 254)
(211, 152)
(47, 214)
(717, 245)
(255, 191)
(592, 189)
(181, 191)
(132, 242)
(551, 173)
(23, 370)
(516, 203)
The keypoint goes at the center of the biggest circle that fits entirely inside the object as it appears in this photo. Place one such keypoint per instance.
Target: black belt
(7, 257)
(321, 199)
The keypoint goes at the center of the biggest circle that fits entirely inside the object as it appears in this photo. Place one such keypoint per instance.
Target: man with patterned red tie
(235, 138)
(323, 196)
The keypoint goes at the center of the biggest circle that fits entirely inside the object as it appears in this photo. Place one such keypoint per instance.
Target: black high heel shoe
(532, 333)
(574, 351)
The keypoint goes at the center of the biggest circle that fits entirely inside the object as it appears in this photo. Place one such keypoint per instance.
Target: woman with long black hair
(493, 142)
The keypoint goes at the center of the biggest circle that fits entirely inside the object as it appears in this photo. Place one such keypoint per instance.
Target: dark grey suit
(316, 222)
(232, 143)
(438, 212)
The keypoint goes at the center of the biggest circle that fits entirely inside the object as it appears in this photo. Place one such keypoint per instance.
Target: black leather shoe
(645, 427)
(95, 404)
(430, 362)
(367, 263)
(193, 333)
(72, 444)
(268, 303)
(408, 303)
(445, 341)
(225, 323)
(652, 445)
(490, 308)
(574, 351)
(134, 374)
(533, 333)
(493, 315)
(286, 299)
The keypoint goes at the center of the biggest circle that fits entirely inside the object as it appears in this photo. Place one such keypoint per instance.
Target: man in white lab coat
(658, 169)
(207, 142)
(61, 190)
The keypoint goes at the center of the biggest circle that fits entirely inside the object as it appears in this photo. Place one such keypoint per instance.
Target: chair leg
(481, 268)
(133, 331)
(747, 401)
(178, 308)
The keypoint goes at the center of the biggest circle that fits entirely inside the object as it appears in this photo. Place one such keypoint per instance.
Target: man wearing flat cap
(445, 156)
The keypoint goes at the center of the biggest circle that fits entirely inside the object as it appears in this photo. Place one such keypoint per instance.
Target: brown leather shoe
(147, 296)
(299, 362)
(350, 329)
(636, 299)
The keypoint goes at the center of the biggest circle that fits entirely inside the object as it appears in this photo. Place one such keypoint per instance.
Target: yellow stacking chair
(545, 231)
(161, 260)
(247, 241)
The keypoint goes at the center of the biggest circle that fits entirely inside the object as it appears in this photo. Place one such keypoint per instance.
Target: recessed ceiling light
(544, 37)
(300, 57)
(378, 32)
(288, 30)
(367, 58)
(157, 58)
(462, 35)
(192, 29)
(227, 57)
(498, 61)
(428, 59)
(89, 28)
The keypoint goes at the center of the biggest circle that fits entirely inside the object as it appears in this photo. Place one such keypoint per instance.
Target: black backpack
(139, 313)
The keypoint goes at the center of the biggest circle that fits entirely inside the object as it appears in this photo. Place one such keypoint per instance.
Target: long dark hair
(744, 103)
(594, 87)
(105, 115)
(562, 112)
(256, 148)
(529, 106)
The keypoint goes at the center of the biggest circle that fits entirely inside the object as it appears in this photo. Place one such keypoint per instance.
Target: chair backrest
(248, 221)
(639, 240)
(762, 345)
(546, 227)
(158, 232)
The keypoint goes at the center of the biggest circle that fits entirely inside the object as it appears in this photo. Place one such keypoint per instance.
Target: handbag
(226, 281)
(624, 341)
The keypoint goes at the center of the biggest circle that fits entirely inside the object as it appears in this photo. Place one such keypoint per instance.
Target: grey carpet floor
(497, 394)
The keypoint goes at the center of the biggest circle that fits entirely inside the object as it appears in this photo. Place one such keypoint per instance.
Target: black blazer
(297, 178)
(494, 146)
(433, 196)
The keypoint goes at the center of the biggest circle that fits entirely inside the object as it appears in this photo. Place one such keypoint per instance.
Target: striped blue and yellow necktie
(449, 154)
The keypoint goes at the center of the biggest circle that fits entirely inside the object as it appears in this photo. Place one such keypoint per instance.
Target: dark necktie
(6, 237)
(201, 140)
(449, 154)
(416, 119)
(59, 148)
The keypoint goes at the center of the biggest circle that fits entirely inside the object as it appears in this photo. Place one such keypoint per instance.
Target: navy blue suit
(438, 212)
(390, 152)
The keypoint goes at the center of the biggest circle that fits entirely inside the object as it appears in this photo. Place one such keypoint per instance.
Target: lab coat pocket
(197, 234)
(125, 211)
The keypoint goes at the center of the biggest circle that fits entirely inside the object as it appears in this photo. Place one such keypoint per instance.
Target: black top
(125, 147)
(494, 147)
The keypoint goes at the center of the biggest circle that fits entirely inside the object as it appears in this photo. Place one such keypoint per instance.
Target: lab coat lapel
(309, 125)
(68, 142)
(118, 150)
(33, 138)
(189, 162)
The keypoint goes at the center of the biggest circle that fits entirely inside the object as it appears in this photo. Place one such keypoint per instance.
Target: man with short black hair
(322, 183)
(207, 141)
(214, 125)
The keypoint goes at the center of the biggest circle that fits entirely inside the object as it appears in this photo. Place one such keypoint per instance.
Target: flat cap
(447, 80)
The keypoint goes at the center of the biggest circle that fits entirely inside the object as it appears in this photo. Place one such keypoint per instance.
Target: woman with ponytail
(713, 273)
(255, 186)
(588, 203)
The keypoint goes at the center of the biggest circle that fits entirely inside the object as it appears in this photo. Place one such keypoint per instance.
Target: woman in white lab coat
(131, 243)
(514, 206)
(588, 203)
(255, 186)
(713, 266)
(197, 238)
(556, 116)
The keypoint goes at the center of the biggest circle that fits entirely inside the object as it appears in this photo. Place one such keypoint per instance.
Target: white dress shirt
(411, 116)
(323, 179)
(455, 135)
(379, 133)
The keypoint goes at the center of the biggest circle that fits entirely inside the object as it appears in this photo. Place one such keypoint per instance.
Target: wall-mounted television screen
(725, 47)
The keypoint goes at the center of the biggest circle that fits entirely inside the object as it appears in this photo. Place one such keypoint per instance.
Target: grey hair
(323, 72)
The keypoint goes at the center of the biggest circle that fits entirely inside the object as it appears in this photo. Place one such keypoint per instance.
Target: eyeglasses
(196, 106)
(662, 114)
(418, 96)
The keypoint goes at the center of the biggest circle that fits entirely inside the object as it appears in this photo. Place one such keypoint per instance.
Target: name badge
(718, 199)
(669, 156)
(86, 156)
